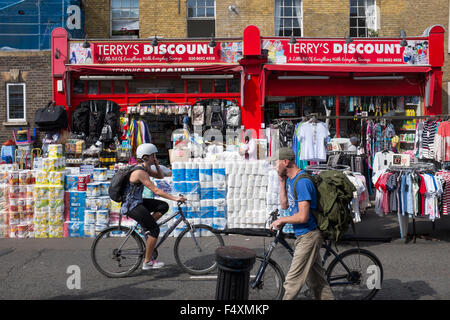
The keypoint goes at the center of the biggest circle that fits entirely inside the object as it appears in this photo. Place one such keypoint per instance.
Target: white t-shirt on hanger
(382, 160)
(312, 137)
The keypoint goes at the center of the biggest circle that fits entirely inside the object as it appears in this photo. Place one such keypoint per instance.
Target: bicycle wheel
(271, 286)
(365, 277)
(195, 252)
(114, 255)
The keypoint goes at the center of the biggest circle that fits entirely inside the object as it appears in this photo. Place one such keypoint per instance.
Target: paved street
(37, 268)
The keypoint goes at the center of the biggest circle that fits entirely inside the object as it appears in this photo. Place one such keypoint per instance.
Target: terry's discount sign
(164, 52)
(339, 52)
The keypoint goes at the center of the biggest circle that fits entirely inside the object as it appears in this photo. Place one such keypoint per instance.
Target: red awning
(347, 68)
(340, 70)
(154, 68)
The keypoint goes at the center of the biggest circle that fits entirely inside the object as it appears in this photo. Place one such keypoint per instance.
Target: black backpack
(96, 119)
(51, 118)
(217, 118)
(80, 119)
(119, 183)
(112, 118)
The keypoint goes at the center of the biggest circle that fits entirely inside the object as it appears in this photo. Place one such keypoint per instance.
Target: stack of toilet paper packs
(221, 194)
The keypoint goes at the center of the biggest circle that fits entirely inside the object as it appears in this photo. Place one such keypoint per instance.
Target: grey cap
(286, 154)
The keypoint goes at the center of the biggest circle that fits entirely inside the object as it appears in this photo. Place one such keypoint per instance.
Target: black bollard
(234, 265)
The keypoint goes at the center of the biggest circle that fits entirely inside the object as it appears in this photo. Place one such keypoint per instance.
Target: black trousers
(142, 214)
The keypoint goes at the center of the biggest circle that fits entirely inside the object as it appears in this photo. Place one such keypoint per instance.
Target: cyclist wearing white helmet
(147, 211)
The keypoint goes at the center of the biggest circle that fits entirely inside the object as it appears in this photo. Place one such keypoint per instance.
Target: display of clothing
(441, 144)
(382, 160)
(313, 137)
(444, 174)
(377, 137)
(428, 134)
(417, 193)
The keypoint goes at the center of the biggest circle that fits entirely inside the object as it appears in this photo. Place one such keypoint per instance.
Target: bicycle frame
(280, 238)
(166, 234)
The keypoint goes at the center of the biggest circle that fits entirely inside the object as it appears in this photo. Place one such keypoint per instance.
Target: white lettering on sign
(162, 49)
(367, 48)
(117, 49)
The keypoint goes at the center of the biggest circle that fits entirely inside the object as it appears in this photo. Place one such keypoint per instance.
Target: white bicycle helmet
(145, 149)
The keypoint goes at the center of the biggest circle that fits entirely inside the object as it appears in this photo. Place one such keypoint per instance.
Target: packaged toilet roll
(219, 223)
(206, 190)
(219, 190)
(193, 174)
(218, 171)
(179, 171)
(205, 172)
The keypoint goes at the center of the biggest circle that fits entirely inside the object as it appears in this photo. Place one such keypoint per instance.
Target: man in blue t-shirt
(306, 265)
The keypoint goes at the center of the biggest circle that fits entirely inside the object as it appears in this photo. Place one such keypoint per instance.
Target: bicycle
(122, 249)
(267, 277)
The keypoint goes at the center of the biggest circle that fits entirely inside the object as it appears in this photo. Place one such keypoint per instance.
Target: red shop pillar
(252, 113)
(436, 59)
(59, 59)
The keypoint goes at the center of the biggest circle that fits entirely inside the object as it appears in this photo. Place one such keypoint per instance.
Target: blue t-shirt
(306, 191)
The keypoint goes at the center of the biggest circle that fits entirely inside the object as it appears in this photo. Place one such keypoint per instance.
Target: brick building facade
(168, 19)
(33, 69)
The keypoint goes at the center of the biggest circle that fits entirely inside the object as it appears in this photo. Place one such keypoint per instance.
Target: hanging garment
(441, 143)
(428, 134)
(313, 137)
(446, 192)
(382, 160)
(198, 115)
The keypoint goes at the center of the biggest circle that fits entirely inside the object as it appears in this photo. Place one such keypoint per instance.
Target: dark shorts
(142, 213)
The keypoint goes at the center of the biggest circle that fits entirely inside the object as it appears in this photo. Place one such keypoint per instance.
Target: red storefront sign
(280, 51)
(145, 53)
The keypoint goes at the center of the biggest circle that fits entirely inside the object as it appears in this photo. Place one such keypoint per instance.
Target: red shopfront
(130, 73)
(252, 71)
(334, 68)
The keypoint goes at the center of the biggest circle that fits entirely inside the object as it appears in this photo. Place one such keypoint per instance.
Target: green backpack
(334, 195)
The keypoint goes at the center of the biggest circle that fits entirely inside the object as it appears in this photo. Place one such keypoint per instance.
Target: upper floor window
(288, 18)
(125, 18)
(15, 102)
(201, 18)
(363, 18)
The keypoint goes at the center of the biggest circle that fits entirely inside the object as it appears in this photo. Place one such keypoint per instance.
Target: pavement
(42, 268)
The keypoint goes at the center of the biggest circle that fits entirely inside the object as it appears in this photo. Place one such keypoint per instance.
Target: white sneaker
(152, 264)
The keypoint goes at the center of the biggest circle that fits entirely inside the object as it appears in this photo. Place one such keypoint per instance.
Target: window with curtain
(363, 18)
(288, 18)
(201, 18)
(125, 18)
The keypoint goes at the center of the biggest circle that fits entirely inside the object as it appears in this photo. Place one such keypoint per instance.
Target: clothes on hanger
(313, 137)
(441, 143)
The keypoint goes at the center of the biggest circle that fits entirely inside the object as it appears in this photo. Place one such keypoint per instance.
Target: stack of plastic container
(49, 195)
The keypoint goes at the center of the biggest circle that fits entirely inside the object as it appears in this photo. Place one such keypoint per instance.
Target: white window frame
(203, 18)
(281, 16)
(200, 18)
(366, 28)
(111, 24)
(24, 119)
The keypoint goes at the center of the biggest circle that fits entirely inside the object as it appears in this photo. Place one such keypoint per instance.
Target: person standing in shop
(147, 211)
(306, 266)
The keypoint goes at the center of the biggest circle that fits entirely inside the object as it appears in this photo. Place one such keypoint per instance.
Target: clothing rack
(324, 167)
(416, 167)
